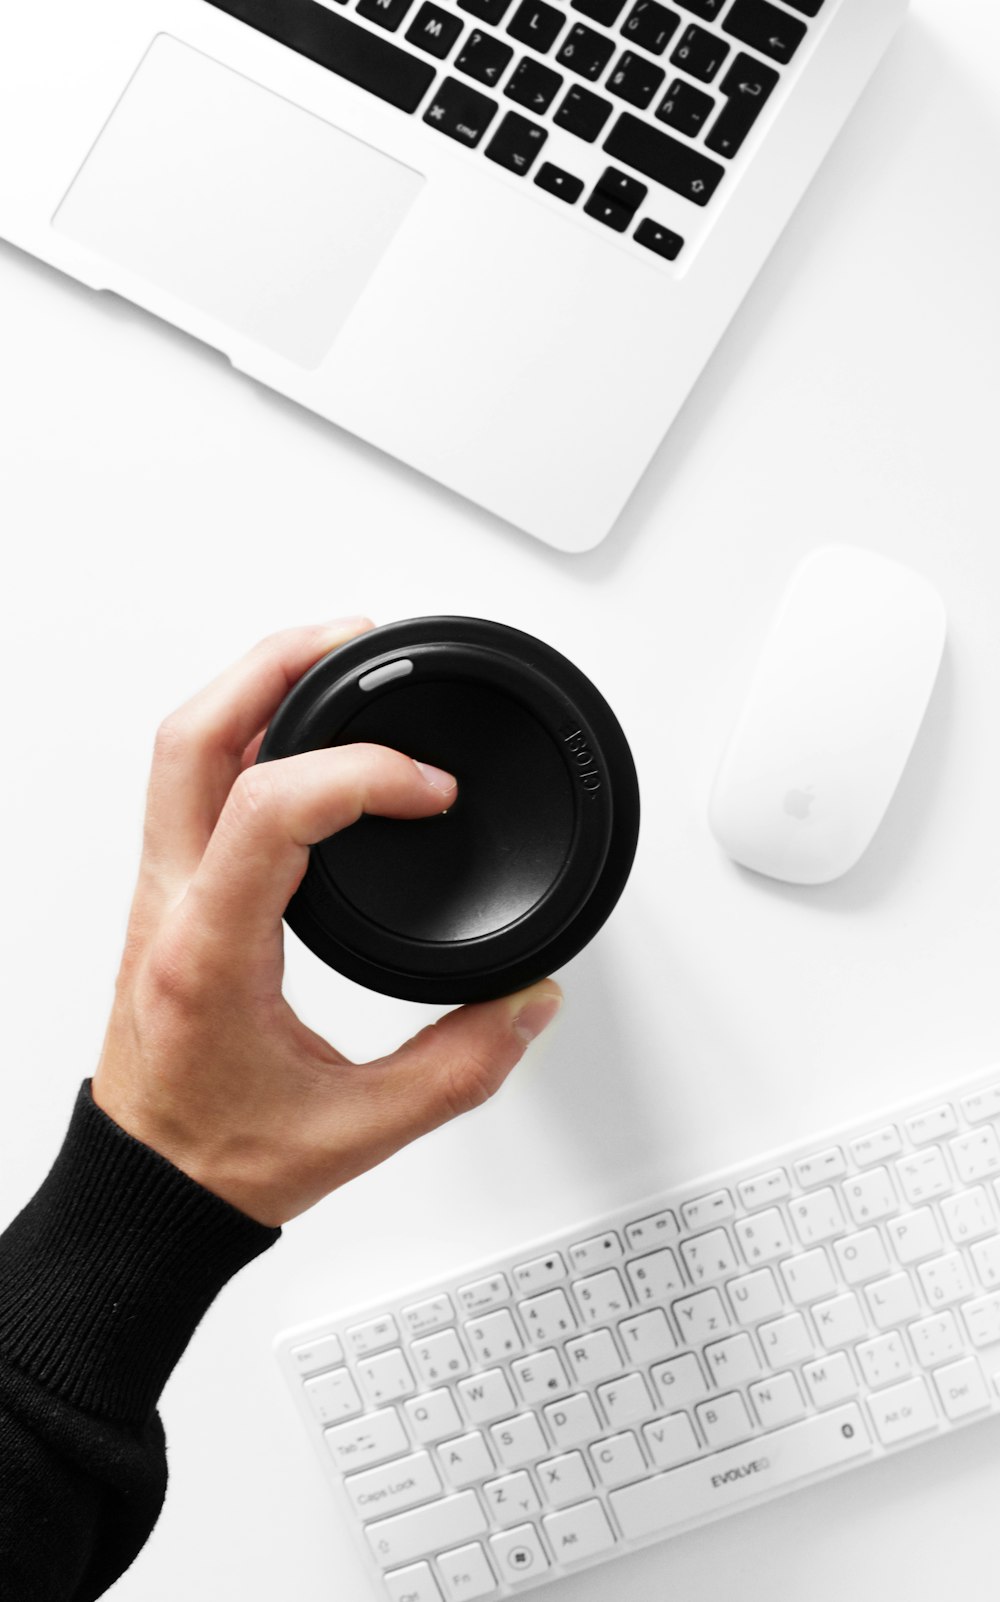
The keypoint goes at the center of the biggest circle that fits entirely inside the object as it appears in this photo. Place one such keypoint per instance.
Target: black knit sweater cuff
(108, 1270)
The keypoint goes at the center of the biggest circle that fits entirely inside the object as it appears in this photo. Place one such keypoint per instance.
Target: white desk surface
(159, 513)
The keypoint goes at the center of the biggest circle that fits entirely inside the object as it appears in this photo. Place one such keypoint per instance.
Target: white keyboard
(718, 1345)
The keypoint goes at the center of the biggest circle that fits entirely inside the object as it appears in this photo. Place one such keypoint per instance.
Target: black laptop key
(533, 85)
(585, 51)
(651, 25)
(387, 14)
(582, 113)
(362, 57)
(765, 28)
(700, 53)
(557, 182)
(635, 79)
(707, 10)
(685, 108)
(808, 8)
(492, 11)
(603, 11)
(516, 143)
(434, 30)
(609, 212)
(484, 58)
(748, 84)
(663, 158)
(460, 112)
(662, 241)
(536, 24)
(621, 187)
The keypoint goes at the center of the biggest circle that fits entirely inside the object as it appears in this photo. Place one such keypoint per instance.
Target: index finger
(199, 748)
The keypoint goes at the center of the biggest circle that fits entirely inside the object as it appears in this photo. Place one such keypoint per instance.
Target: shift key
(664, 159)
(717, 1483)
(427, 1529)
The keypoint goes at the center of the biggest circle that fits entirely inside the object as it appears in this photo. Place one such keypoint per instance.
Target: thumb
(460, 1061)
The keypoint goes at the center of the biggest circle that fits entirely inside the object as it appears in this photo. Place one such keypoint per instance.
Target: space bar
(341, 46)
(715, 1484)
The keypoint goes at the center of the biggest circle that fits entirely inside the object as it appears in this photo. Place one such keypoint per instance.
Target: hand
(204, 1060)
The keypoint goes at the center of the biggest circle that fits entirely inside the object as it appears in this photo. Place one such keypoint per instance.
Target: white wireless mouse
(831, 715)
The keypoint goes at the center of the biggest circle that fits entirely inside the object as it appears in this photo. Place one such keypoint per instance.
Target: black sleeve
(103, 1279)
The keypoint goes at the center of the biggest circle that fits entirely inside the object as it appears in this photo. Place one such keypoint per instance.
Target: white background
(159, 513)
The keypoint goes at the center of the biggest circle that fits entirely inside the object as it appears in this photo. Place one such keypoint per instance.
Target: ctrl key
(661, 241)
(415, 1584)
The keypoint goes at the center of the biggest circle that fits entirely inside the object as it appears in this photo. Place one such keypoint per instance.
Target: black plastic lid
(523, 870)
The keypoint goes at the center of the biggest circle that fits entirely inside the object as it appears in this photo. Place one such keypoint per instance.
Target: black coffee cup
(522, 871)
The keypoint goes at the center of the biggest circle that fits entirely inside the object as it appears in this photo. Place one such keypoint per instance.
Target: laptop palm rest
(237, 202)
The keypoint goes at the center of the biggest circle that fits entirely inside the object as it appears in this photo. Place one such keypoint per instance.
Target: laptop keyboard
(670, 91)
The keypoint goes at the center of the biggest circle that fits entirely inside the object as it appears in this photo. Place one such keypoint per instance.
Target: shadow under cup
(521, 872)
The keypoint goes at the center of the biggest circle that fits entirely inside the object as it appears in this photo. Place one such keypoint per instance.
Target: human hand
(204, 1060)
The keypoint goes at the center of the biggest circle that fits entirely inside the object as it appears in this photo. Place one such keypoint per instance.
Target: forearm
(103, 1279)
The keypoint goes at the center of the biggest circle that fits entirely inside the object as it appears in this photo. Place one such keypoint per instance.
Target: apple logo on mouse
(798, 803)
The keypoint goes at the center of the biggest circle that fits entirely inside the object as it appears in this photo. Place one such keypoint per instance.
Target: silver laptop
(496, 238)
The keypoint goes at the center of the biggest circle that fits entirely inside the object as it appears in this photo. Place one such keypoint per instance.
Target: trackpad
(237, 201)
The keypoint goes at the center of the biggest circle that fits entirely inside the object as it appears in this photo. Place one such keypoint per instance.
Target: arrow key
(519, 1553)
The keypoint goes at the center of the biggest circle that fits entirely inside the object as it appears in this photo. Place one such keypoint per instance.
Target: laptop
(496, 238)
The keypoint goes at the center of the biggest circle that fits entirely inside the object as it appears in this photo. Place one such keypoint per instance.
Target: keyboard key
(935, 1339)
(557, 182)
(354, 53)
(945, 1280)
(781, 1457)
(976, 1155)
(465, 1459)
(982, 1104)
(426, 1529)
(372, 1336)
(460, 112)
(657, 1230)
(519, 1440)
(512, 1498)
(785, 1340)
(434, 30)
(753, 1296)
(892, 1301)
(902, 1411)
(687, 109)
(931, 1125)
(986, 1256)
(439, 1357)
(433, 1416)
(583, 113)
(700, 53)
(564, 1479)
(883, 1360)
(962, 1388)
(585, 51)
(663, 158)
(914, 1235)
(772, 1186)
(533, 85)
(656, 1276)
(549, 1316)
(679, 1381)
(701, 1316)
(312, 1358)
(536, 24)
(861, 1256)
(466, 1574)
(830, 1380)
(635, 79)
(671, 1440)
(424, 1317)
(572, 1421)
(817, 1217)
(605, 11)
(724, 1419)
(625, 1401)
(540, 1272)
(394, 1486)
(982, 1319)
(539, 1377)
(495, 1335)
(415, 1584)
(647, 1337)
(766, 28)
(483, 1294)
(777, 1400)
(601, 1297)
(661, 241)
(708, 10)
(609, 212)
(839, 1321)
(368, 1440)
(764, 1237)
(704, 1211)
(386, 1377)
(486, 1396)
(491, 11)
(518, 1553)
(709, 1257)
(484, 58)
(618, 1459)
(809, 8)
(579, 1532)
(968, 1216)
(594, 1357)
(821, 1166)
(808, 1276)
(732, 1361)
(333, 1396)
(651, 25)
(881, 1143)
(871, 1196)
(387, 14)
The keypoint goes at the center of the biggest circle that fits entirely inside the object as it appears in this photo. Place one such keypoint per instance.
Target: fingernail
(537, 1015)
(437, 778)
(339, 627)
